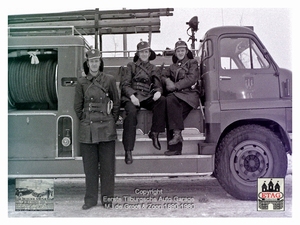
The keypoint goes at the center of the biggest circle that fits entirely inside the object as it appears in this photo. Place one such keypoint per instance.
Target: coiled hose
(32, 83)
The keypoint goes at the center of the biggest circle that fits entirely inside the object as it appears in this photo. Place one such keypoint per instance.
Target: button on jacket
(184, 74)
(91, 104)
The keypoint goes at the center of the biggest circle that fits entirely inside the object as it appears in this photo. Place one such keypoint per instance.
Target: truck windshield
(241, 53)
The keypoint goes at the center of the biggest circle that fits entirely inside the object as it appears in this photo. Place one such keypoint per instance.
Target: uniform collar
(90, 77)
(180, 62)
(142, 63)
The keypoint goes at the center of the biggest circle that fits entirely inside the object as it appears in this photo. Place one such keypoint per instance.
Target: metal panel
(165, 165)
(28, 138)
(143, 166)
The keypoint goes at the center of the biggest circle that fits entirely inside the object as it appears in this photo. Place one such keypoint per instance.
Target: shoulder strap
(100, 86)
(95, 82)
(143, 68)
(181, 67)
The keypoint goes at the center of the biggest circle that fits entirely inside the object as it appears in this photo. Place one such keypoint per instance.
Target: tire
(246, 153)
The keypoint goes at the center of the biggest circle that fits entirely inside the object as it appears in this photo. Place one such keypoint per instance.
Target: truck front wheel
(245, 154)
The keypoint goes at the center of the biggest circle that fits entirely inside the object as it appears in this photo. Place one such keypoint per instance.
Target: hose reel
(30, 84)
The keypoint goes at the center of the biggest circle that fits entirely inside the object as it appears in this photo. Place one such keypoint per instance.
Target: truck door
(245, 75)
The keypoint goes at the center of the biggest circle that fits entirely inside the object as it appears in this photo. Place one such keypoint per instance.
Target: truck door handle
(68, 81)
(225, 78)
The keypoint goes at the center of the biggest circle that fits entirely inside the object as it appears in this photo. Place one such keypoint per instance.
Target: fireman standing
(97, 107)
(141, 87)
(182, 94)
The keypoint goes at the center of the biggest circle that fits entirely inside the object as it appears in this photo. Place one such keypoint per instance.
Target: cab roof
(217, 31)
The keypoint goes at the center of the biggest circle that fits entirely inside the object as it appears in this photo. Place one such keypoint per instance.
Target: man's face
(144, 55)
(180, 53)
(94, 64)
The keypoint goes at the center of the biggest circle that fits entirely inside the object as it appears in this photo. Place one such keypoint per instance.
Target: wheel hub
(249, 160)
(251, 163)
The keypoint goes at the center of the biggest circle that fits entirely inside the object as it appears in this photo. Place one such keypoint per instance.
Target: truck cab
(248, 109)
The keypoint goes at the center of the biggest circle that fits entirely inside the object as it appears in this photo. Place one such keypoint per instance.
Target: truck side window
(205, 53)
(206, 50)
(241, 53)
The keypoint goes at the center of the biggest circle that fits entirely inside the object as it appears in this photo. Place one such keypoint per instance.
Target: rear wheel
(245, 154)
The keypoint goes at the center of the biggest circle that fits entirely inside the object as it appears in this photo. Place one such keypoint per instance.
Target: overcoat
(97, 106)
(185, 74)
(140, 79)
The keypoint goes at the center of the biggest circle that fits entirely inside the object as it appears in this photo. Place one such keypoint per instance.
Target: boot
(177, 137)
(170, 153)
(88, 206)
(128, 157)
(155, 141)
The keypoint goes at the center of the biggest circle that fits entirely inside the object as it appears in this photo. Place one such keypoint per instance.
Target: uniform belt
(141, 86)
(99, 107)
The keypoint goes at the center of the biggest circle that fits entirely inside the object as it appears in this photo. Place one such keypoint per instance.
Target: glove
(170, 86)
(156, 95)
(135, 100)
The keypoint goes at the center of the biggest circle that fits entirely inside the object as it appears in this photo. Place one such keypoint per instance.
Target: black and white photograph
(34, 194)
(159, 110)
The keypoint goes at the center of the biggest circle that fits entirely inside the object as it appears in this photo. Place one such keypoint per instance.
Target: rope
(32, 83)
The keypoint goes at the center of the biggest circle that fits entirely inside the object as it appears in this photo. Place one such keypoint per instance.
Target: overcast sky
(273, 25)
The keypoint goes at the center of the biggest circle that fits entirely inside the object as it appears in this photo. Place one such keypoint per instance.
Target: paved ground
(203, 197)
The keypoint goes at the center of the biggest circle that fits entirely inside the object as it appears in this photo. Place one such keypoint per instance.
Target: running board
(160, 165)
(143, 165)
(188, 134)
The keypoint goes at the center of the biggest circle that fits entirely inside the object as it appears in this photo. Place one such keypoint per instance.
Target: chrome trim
(161, 174)
(46, 176)
(31, 113)
(56, 80)
(117, 175)
(44, 46)
(225, 78)
(185, 138)
(73, 151)
(146, 157)
(65, 157)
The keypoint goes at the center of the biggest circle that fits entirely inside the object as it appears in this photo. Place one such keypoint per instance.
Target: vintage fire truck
(242, 130)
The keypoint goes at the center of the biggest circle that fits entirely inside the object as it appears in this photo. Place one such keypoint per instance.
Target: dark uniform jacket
(185, 74)
(93, 107)
(140, 79)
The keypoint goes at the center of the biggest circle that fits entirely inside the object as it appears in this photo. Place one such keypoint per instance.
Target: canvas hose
(32, 83)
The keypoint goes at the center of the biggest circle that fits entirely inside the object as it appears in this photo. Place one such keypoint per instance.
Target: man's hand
(135, 100)
(170, 86)
(156, 95)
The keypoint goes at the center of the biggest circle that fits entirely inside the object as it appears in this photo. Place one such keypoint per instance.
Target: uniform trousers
(98, 159)
(158, 109)
(177, 111)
